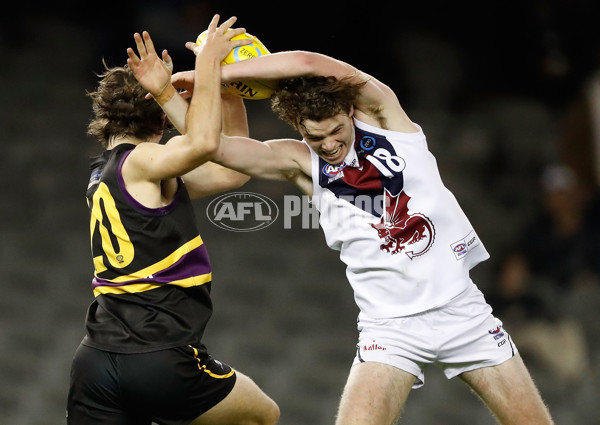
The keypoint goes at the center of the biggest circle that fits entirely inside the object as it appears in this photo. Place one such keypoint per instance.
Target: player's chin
(335, 159)
(332, 161)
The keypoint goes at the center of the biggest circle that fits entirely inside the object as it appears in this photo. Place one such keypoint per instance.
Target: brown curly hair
(121, 109)
(315, 98)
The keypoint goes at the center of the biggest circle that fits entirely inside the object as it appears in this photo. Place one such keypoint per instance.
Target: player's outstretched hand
(219, 40)
(152, 72)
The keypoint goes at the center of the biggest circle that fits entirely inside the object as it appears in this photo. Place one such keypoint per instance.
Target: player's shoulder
(385, 120)
(145, 151)
(135, 166)
(378, 105)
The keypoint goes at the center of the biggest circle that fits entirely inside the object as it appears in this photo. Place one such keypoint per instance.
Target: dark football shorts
(169, 387)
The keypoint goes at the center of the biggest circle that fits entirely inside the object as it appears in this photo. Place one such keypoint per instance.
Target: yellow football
(248, 89)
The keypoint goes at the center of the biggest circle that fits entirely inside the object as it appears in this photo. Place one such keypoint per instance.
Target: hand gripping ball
(248, 89)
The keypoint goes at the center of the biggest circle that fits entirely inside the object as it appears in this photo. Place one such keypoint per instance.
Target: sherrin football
(248, 89)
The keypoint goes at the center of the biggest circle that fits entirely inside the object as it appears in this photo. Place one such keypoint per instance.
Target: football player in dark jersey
(142, 359)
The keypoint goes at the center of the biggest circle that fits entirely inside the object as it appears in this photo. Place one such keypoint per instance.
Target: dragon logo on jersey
(412, 234)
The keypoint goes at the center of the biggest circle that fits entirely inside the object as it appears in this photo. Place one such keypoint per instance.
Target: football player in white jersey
(405, 240)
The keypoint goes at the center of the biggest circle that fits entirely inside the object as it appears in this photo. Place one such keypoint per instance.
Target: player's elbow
(307, 62)
(202, 147)
(208, 148)
(310, 63)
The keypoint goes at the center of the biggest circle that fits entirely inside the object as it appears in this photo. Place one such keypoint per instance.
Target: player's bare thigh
(246, 404)
(510, 393)
(375, 394)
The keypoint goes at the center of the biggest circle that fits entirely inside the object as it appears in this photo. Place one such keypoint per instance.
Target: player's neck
(120, 140)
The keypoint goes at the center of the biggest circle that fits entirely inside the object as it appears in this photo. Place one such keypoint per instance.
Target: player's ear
(351, 113)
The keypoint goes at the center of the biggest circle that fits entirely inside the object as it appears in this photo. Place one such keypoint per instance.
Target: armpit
(301, 180)
(376, 112)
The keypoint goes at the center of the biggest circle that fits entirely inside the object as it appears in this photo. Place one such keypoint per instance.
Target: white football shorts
(459, 336)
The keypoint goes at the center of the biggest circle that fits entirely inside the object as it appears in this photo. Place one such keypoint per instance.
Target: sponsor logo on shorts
(373, 347)
(495, 330)
(497, 333)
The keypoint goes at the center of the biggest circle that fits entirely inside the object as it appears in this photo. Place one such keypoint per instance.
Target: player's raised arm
(154, 75)
(210, 177)
(203, 121)
(276, 66)
(377, 104)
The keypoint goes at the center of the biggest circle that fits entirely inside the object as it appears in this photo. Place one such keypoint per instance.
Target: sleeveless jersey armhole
(137, 205)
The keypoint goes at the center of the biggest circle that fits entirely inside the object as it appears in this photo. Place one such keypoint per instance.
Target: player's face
(331, 139)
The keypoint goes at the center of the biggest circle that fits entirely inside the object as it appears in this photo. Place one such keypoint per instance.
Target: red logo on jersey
(413, 234)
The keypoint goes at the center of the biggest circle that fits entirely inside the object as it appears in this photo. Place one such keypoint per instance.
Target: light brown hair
(121, 108)
(313, 98)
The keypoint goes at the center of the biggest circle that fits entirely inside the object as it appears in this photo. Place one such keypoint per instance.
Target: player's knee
(272, 414)
(267, 414)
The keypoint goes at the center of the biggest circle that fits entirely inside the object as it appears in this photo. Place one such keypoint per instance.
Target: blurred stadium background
(502, 89)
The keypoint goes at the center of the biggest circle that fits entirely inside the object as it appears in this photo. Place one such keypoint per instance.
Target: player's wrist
(166, 94)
